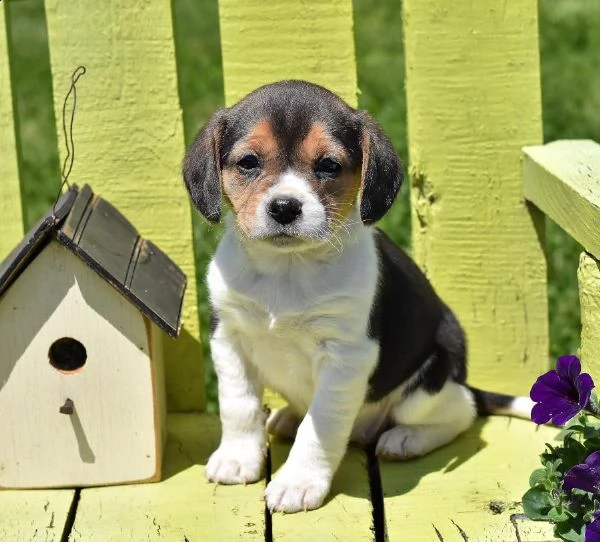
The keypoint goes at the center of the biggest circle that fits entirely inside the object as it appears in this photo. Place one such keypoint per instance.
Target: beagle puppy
(312, 301)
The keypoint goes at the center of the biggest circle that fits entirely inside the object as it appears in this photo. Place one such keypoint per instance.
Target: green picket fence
(473, 95)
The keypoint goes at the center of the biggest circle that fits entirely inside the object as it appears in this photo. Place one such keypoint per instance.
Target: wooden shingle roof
(105, 240)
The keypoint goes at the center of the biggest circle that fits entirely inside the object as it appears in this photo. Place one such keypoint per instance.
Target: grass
(570, 62)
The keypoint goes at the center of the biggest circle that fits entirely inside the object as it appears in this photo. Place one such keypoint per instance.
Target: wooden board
(184, 506)
(589, 299)
(34, 516)
(473, 100)
(461, 485)
(11, 225)
(263, 42)
(346, 514)
(562, 178)
(129, 141)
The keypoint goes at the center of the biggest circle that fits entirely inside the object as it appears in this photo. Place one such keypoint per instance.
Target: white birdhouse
(84, 304)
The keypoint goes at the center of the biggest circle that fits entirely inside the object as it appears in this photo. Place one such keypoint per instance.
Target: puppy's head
(292, 160)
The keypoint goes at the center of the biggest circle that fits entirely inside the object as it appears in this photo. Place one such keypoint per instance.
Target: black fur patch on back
(412, 326)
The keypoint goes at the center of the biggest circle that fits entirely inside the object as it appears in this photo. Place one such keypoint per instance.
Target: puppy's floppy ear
(381, 171)
(202, 167)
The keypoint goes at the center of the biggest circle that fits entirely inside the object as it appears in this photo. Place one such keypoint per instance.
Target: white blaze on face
(312, 222)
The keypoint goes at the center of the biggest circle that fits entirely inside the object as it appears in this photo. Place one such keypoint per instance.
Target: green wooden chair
(473, 91)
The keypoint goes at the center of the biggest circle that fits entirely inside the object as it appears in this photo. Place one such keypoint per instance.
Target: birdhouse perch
(84, 305)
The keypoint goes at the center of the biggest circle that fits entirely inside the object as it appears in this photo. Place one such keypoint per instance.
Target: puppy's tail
(489, 403)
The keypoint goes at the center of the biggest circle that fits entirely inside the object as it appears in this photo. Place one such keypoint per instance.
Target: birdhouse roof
(106, 241)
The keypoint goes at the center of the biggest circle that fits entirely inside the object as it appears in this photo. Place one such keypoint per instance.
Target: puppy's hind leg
(283, 423)
(427, 421)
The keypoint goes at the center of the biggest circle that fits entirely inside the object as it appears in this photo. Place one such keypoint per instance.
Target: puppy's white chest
(286, 350)
(286, 321)
(281, 336)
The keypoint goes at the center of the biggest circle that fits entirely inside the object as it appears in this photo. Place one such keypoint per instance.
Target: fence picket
(264, 42)
(473, 100)
(11, 225)
(129, 141)
(589, 299)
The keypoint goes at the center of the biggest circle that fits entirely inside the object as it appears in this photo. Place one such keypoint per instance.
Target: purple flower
(561, 394)
(584, 476)
(592, 531)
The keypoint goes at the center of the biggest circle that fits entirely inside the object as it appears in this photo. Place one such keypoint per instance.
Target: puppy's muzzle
(284, 210)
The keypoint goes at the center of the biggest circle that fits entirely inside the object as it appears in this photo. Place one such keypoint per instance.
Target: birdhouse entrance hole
(67, 355)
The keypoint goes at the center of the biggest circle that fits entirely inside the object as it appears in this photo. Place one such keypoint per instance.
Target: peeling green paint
(424, 199)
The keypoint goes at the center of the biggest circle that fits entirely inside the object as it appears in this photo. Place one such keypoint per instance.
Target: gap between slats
(378, 525)
(375, 489)
(70, 521)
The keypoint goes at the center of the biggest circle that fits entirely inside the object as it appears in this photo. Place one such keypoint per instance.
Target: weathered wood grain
(346, 514)
(34, 516)
(129, 141)
(464, 485)
(473, 98)
(263, 42)
(589, 300)
(11, 225)
(562, 179)
(184, 506)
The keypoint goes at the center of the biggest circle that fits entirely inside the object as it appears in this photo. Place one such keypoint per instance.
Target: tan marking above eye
(319, 143)
(260, 140)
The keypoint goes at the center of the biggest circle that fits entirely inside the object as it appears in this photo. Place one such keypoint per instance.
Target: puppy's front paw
(235, 464)
(294, 490)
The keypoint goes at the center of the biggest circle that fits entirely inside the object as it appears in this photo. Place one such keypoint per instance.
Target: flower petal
(540, 413)
(592, 531)
(584, 385)
(550, 385)
(593, 460)
(568, 367)
(564, 411)
(580, 477)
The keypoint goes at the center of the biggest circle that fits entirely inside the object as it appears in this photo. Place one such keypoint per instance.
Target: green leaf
(577, 446)
(591, 430)
(593, 443)
(557, 515)
(570, 531)
(537, 504)
(569, 430)
(563, 458)
(538, 476)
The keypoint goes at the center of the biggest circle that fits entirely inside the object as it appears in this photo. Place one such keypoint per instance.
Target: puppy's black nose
(285, 209)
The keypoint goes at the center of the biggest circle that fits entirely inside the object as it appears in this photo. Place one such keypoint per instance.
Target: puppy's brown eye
(248, 163)
(327, 167)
